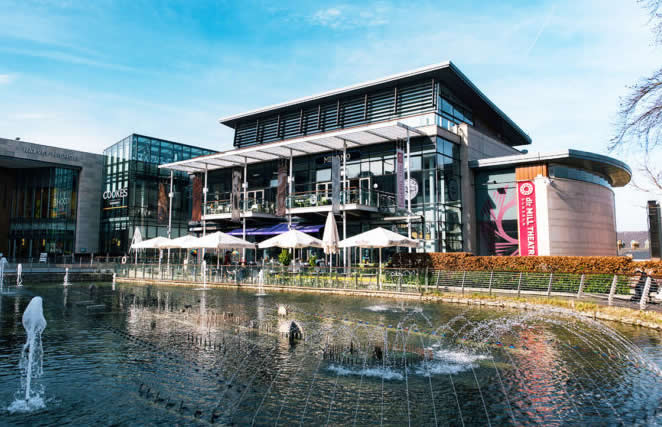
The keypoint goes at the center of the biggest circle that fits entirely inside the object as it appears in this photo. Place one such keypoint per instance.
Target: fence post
(644, 294)
(549, 287)
(612, 290)
(490, 285)
(581, 287)
(400, 282)
(519, 285)
(426, 279)
(464, 275)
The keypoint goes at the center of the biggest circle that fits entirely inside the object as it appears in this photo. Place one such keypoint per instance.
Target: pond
(136, 354)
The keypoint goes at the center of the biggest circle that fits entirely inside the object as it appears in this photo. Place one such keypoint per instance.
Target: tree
(639, 122)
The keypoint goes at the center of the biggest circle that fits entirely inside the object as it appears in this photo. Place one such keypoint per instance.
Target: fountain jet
(31, 363)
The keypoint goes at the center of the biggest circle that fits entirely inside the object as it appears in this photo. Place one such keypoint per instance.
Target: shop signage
(116, 194)
(412, 188)
(400, 178)
(327, 158)
(114, 197)
(526, 218)
(40, 151)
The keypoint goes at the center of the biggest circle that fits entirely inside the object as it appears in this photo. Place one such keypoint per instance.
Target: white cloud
(32, 116)
(350, 17)
(6, 79)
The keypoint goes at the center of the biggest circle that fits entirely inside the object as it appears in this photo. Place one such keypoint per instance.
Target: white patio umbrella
(152, 244)
(176, 244)
(293, 239)
(378, 238)
(330, 239)
(218, 240)
(137, 238)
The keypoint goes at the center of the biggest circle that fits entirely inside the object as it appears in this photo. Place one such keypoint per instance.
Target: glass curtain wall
(136, 191)
(435, 168)
(43, 212)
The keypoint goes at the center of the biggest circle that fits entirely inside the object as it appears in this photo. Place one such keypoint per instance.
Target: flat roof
(474, 97)
(617, 172)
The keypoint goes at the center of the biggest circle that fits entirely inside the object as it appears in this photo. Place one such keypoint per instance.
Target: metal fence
(612, 288)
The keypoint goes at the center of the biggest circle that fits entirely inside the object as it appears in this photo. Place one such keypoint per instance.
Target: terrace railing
(358, 196)
(613, 289)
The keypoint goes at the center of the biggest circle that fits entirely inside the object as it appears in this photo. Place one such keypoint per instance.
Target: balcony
(255, 208)
(350, 199)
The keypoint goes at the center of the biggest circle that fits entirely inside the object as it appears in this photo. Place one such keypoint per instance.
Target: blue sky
(85, 74)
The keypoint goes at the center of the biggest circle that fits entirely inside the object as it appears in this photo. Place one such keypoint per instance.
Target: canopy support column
(204, 210)
(170, 196)
(345, 194)
(245, 209)
(408, 189)
(289, 191)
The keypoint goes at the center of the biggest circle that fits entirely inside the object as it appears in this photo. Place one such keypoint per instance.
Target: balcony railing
(216, 207)
(309, 199)
(357, 196)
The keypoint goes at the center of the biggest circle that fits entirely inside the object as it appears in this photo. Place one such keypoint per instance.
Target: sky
(85, 74)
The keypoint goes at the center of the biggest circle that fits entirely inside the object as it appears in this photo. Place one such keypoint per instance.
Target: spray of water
(19, 275)
(3, 264)
(30, 396)
(66, 277)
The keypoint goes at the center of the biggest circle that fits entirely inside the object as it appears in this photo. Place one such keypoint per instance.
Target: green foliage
(312, 260)
(284, 257)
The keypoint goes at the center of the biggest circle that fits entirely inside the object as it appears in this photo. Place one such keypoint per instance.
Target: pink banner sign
(526, 218)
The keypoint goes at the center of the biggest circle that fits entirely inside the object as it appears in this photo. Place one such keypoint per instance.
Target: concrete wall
(88, 215)
(475, 145)
(580, 218)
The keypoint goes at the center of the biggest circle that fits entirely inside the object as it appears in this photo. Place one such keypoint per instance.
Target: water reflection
(176, 355)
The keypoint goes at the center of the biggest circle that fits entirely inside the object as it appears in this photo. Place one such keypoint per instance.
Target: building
(423, 152)
(65, 202)
(135, 191)
(634, 244)
(50, 200)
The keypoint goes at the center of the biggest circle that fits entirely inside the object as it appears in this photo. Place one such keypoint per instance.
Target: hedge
(463, 261)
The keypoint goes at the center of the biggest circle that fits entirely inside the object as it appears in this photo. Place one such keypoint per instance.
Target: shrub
(284, 257)
(311, 260)
(462, 261)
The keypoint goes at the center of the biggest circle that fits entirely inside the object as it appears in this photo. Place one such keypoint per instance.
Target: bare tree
(639, 122)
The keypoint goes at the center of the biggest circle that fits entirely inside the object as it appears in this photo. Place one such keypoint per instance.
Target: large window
(43, 212)
(136, 191)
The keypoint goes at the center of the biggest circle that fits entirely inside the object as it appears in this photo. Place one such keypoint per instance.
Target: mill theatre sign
(526, 218)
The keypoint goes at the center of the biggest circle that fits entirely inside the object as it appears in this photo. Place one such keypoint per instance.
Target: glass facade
(435, 168)
(136, 191)
(567, 172)
(43, 212)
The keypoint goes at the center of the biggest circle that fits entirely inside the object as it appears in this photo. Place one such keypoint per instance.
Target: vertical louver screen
(386, 104)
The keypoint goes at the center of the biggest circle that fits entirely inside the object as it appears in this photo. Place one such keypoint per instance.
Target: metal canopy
(315, 144)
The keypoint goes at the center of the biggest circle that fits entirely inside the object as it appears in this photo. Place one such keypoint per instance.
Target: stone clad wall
(582, 218)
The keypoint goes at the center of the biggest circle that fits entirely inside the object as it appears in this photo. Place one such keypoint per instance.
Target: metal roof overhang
(446, 72)
(616, 172)
(302, 146)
